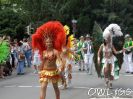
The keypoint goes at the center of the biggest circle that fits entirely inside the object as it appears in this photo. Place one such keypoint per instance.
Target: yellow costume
(49, 75)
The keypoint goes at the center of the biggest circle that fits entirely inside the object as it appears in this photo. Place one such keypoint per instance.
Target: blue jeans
(28, 57)
(20, 67)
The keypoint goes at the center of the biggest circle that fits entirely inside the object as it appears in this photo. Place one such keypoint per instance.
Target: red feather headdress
(53, 30)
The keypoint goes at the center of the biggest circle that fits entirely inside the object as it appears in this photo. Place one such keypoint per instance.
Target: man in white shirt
(88, 54)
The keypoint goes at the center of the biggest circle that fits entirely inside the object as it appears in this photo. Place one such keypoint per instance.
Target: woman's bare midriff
(50, 65)
(108, 55)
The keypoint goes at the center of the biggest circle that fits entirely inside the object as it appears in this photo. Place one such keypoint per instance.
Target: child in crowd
(36, 60)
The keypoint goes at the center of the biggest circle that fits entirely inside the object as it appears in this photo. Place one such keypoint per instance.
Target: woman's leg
(63, 80)
(110, 76)
(57, 91)
(106, 74)
(43, 90)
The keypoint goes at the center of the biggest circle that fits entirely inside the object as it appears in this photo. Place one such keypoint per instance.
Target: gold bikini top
(50, 58)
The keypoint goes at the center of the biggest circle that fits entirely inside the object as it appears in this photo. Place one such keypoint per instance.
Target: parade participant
(128, 46)
(88, 54)
(76, 57)
(63, 58)
(67, 69)
(109, 63)
(66, 56)
(49, 39)
(4, 54)
(69, 60)
(81, 53)
(68, 75)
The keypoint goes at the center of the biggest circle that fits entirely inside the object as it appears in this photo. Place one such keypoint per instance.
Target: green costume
(80, 52)
(128, 44)
(4, 52)
(85, 45)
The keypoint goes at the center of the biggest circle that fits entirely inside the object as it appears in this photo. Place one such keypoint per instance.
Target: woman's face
(82, 39)
(49, 43)
(108, 40)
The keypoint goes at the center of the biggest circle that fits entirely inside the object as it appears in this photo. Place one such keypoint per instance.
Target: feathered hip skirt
(49, 75)
(115, 67)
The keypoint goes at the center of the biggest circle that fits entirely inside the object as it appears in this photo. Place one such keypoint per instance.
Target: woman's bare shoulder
(44, 52)
(101, 45)
(55, 51)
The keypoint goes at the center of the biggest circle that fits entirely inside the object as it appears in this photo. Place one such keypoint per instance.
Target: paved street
(27, 87)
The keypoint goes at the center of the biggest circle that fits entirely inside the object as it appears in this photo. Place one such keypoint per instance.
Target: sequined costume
(55, 31)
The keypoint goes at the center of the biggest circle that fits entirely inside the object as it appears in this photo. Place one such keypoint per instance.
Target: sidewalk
(14, 73)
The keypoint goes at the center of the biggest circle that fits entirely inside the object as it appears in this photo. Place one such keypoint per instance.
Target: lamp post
(74, 22)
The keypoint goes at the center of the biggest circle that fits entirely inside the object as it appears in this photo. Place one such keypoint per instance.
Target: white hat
(127, 35)
(81, 37)
(87, 36)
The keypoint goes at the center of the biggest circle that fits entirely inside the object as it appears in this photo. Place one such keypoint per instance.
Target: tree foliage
(86, 12)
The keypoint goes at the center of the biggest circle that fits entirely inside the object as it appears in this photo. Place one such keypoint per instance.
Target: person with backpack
(21, 59)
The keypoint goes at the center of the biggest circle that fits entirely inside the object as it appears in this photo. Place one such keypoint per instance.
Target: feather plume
(112, 30)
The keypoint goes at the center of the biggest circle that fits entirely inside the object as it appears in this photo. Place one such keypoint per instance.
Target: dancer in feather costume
(108, 62)
(49, 39)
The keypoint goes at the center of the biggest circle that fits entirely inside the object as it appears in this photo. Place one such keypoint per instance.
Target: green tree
(9, 21)
(36, 12)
